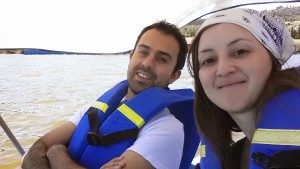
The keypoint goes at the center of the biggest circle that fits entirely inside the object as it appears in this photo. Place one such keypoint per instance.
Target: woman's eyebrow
(206, 50)
(229, 44)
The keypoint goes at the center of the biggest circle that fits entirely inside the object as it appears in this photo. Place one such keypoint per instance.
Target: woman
(236, 61)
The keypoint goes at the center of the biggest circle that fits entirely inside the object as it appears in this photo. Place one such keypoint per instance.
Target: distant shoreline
(11, 51)
(189, 41)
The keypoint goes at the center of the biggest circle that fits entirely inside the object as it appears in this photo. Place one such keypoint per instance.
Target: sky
(92, 26)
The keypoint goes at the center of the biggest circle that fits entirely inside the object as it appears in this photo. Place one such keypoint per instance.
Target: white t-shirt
(160, 141)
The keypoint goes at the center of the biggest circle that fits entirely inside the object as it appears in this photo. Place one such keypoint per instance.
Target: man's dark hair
(169, 29)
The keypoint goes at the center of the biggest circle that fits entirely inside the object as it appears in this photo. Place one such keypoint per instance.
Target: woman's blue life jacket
(107, 129)
(278, 130)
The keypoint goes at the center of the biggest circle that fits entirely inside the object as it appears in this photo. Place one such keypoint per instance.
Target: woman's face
(234, 67)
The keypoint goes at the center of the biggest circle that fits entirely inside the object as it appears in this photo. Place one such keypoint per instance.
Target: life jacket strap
(281, 160)
(93, 119)
(96, 139)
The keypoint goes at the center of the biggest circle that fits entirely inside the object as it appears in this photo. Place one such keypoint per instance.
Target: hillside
(290, 14)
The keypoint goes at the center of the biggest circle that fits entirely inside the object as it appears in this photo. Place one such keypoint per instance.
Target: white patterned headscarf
(269, 30)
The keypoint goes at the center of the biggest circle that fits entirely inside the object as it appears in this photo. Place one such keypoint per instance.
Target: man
(156, 61)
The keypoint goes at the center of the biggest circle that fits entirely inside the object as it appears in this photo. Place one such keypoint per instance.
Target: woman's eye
(208, 61)
(240, 52)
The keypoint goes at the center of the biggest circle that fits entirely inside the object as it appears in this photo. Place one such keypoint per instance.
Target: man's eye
(143, 52)
(162, 59)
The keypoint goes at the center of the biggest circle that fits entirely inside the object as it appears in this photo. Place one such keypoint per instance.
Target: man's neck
(129, 94)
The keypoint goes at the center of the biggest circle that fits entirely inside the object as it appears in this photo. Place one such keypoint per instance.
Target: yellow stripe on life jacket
(276, 137)
(202, 150)
(100, 105)
(132, 115)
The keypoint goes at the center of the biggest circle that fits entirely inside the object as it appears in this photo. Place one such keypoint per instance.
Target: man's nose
(149, 61)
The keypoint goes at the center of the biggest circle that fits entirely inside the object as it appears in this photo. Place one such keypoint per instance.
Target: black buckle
(260, 159)
(95, 139)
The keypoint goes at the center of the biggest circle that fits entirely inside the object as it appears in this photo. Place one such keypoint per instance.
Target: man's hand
(132, 160)
(59, 158)
(36, 157)
(115, 163)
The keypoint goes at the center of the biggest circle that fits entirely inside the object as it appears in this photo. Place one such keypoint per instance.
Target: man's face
(153, 62)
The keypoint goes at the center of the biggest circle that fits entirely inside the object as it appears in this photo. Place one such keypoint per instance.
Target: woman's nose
(225, 66)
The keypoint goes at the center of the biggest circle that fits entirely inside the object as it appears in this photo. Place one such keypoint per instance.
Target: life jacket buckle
(260, 159)
(95, 139)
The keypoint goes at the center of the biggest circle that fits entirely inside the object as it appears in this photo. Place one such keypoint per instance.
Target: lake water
(38, 93)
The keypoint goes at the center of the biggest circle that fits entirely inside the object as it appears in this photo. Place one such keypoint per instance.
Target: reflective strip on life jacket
(132, 115)
(100, 105)
(277, 137)
(202, 151)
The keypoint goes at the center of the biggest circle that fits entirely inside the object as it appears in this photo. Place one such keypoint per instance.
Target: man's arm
(35, 158)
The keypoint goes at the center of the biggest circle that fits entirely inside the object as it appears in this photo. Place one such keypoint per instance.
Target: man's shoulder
(164, 117)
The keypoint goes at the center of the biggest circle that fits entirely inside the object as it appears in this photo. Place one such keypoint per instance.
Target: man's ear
(130, 54)
(175, 76)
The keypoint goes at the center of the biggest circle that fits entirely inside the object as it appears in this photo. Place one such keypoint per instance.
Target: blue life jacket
(117, 125)
(278, 130)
